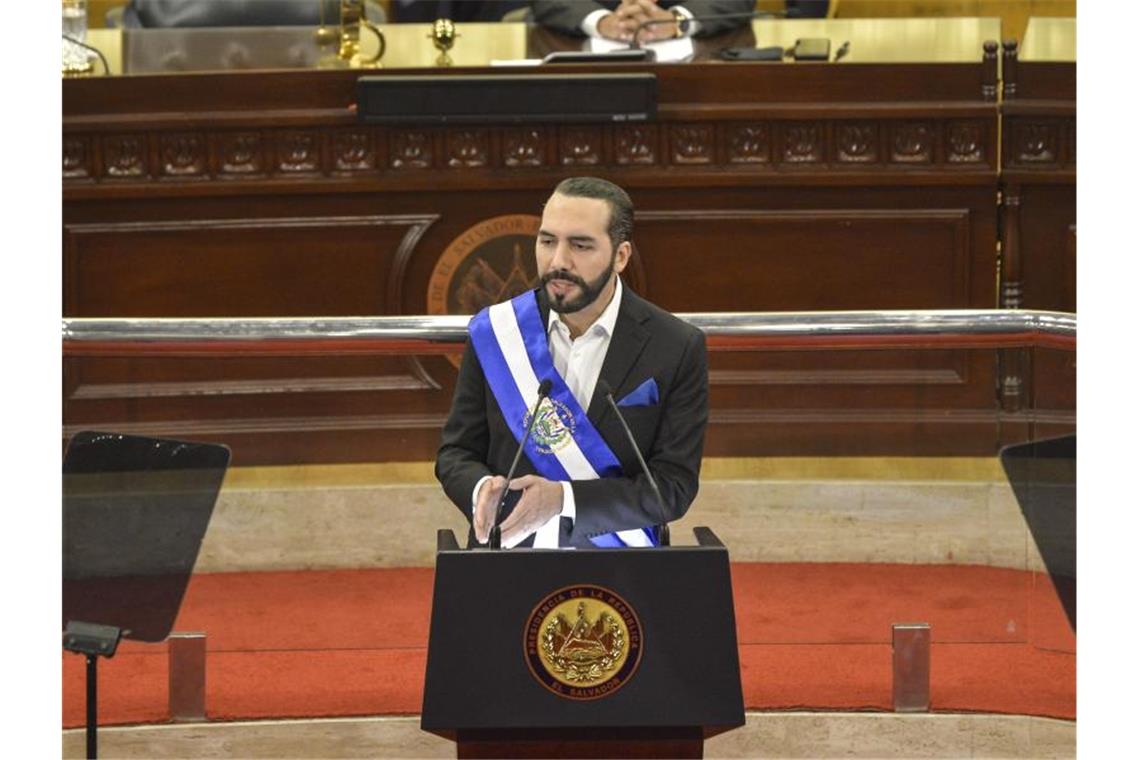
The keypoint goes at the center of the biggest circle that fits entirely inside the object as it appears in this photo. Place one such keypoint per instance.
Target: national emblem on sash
(554, 426)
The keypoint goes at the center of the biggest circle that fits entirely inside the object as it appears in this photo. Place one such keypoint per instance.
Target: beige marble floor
(874, 510)
(767, 735)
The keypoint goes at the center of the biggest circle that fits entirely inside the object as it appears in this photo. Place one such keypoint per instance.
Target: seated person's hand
(643, 11)
(623, 23)
(612, 27)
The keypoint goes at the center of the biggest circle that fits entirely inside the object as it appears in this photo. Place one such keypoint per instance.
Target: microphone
(495, 540)
(608, 392)
(683, 25)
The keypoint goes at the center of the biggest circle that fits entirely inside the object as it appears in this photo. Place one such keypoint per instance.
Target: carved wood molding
(1041, 142)
(853, 416)
(395, 294)
(1011, 247)
(278, 425)
(852, 377)
(267, 425)
(879, 145)
(273, 386)
(416, 222)
(1039, 416)
(954, 216)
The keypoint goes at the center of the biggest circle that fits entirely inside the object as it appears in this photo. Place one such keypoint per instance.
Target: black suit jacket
(566, 16)
(647, 342)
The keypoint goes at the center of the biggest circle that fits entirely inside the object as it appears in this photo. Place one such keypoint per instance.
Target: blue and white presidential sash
(511, 342)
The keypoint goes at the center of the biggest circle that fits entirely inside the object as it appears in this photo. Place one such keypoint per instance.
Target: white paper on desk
(515, 61)
(668, 51)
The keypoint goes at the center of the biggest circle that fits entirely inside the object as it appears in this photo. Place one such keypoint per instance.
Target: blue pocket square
(643, 395)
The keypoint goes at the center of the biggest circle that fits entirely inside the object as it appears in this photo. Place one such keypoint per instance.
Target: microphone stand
(664, 534)
(495, 539)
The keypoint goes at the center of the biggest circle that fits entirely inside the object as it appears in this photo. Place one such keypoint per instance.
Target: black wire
(96, 51)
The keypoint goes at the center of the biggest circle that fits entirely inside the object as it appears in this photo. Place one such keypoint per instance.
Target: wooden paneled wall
(261, 195)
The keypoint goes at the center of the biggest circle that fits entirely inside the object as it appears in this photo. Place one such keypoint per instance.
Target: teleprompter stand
(92, 641)
(135, 511)
(515, 634)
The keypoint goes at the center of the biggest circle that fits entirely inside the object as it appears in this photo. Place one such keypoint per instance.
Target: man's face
(576, 260)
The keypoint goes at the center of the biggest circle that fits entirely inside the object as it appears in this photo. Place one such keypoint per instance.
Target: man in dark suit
(619, 19)
(582, 329)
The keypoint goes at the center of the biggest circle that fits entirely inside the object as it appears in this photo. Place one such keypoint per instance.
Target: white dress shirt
(579, 362)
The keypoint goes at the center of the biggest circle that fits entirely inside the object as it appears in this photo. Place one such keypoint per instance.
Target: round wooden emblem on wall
(490, 262)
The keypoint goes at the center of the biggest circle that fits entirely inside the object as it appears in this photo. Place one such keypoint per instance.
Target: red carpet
(816, 636)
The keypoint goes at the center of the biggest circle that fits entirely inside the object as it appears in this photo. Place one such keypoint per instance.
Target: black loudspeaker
(482, 99)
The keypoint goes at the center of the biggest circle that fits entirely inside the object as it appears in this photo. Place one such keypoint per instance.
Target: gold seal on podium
(583, 642)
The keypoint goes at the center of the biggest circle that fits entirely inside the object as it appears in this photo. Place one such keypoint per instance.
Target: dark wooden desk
(759, 187)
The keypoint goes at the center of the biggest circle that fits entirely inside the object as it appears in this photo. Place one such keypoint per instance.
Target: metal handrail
(736, 331)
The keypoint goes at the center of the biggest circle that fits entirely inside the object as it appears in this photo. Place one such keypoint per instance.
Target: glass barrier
(323, 537)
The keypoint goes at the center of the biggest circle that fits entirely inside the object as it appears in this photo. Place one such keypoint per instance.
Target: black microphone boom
(608, 392)
(494, 541)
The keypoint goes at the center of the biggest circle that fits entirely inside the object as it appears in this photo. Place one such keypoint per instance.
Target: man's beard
(589, 294)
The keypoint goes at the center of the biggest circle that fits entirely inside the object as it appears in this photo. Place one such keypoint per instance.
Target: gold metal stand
(348, 55)
(443, 36)
(79, 70)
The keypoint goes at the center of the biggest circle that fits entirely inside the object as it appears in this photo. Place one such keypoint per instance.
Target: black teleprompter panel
(135, 511)
(1043, 475)
(489, 99)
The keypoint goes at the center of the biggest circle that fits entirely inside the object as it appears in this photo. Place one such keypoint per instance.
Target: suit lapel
(626, 345)
(628, 341)
(543, 309)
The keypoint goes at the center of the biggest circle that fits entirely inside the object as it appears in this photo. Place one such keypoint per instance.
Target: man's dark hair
(621, 207)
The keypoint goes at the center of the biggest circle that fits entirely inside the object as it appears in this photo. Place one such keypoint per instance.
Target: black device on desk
(812, 49)
(773, 53)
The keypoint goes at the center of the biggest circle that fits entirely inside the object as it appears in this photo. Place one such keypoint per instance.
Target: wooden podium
(602, 653)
